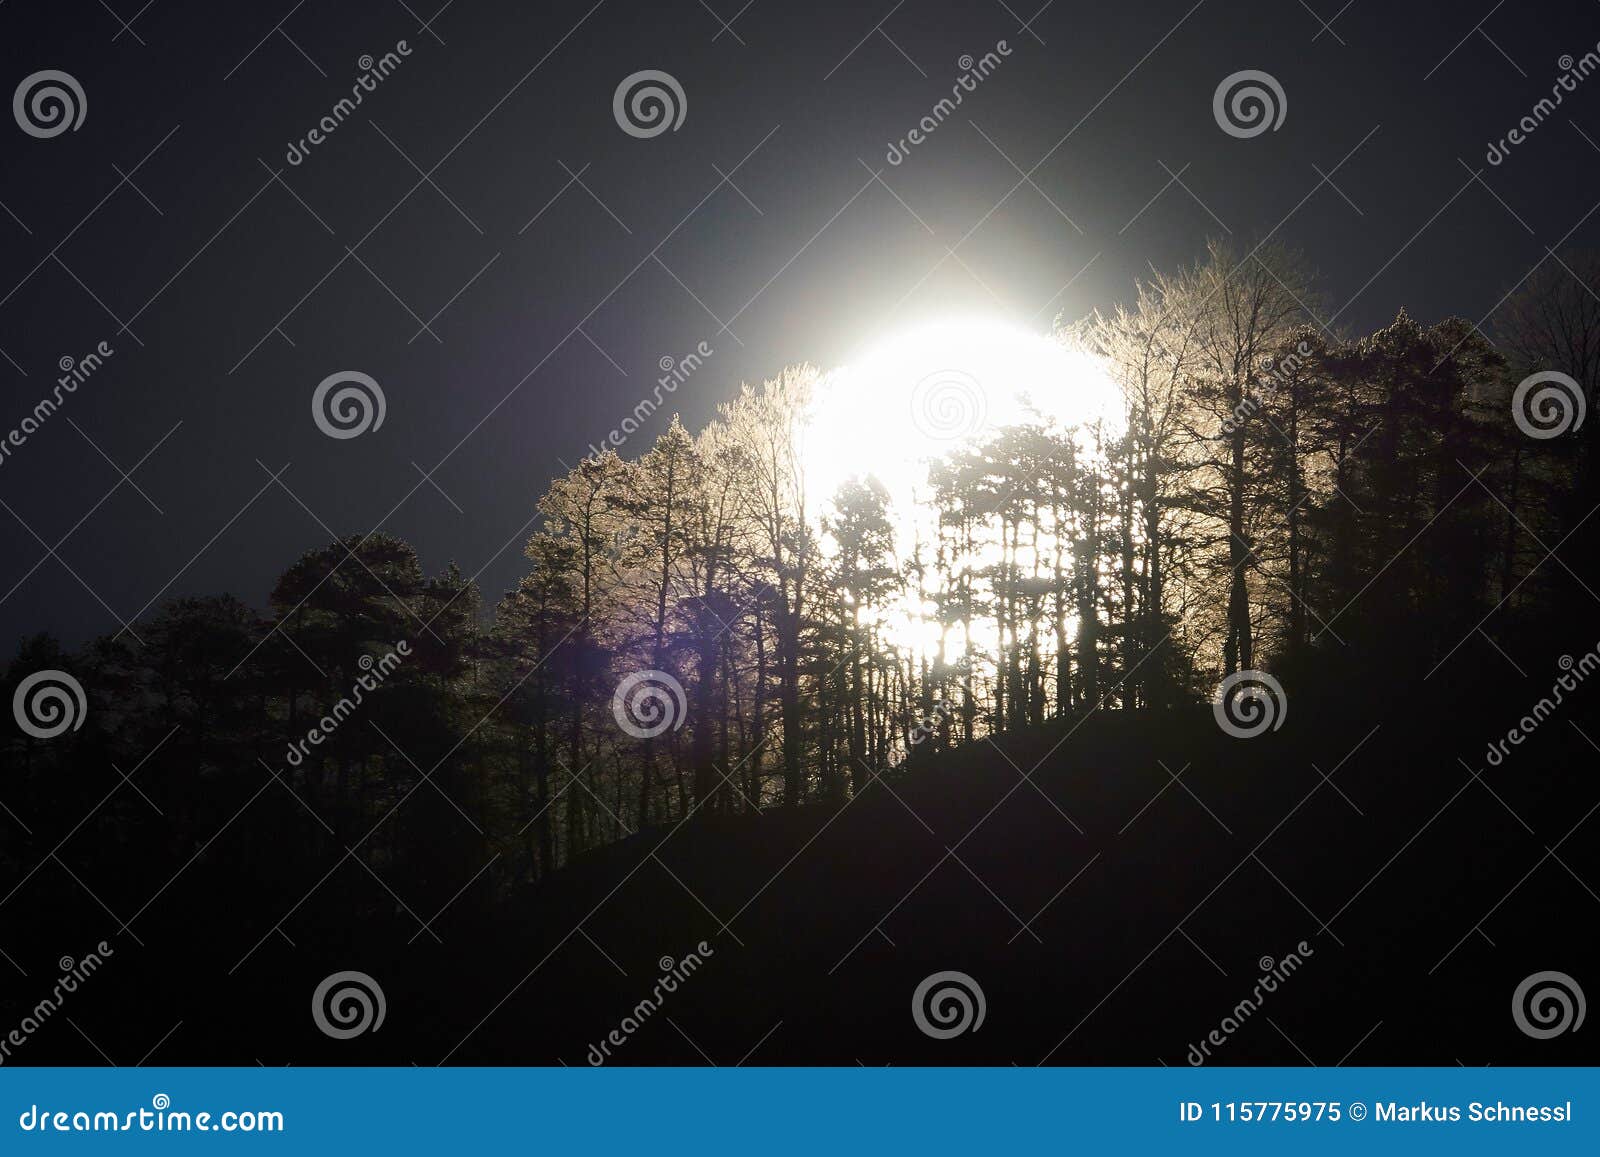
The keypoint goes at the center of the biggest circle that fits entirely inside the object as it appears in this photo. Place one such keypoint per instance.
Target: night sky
(556, 259)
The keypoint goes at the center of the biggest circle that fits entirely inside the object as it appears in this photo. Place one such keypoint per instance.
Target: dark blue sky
(228, 293)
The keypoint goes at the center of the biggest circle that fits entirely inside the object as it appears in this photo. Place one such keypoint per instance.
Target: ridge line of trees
(1256, 508)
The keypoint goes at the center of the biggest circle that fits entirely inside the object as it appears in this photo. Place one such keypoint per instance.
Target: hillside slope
(1109, 911)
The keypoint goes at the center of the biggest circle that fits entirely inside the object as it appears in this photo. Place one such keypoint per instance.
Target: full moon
(929, 391)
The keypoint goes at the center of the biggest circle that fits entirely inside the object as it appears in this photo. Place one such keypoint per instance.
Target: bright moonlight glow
(927, 392)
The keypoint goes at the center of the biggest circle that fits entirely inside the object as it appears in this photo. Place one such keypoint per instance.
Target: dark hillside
(1109, 913)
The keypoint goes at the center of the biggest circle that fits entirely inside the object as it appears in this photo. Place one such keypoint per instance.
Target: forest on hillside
(698, 633)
